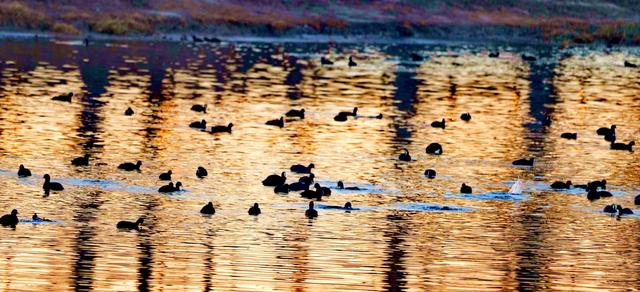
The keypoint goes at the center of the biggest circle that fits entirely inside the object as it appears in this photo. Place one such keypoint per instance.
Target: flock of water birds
(594, 189)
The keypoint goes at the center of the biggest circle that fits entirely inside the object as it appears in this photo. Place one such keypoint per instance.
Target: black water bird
(430, 173)
(281, 188)
(593, 195)
(465, 189)
(523, 162)
(51, 186)
(351, 62)
(165, 175)
(340, 118)
(130, 225)
(201, 172)
(342, 187)
(558, 185)
(529, 58)
(199, 108)
(199, 124)
(170, 188)
(128, 166)
(324, 191)
(351, 113)
(310, 194)
(221, 129)
(208, 209)
(23, 171)
(307, 179)
(636, 200)
(63, 97)
(295, 113)
(438, 124)
(606, 131)
(81, 161)
(416, 58)
(405, 156)
(630, 65)
(434, 148)
(10, 219)
(274, 180)
(325, 61)
(128, 112)
(255, 210)
(311, 212)
(622, 146)
(610, 137)
(298, 168)
(571, 136)
(277, 122)
(465, 117)
(298, 186)
(35, 218)
(495, 54)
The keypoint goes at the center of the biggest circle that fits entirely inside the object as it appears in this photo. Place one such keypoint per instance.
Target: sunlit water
(410, 232)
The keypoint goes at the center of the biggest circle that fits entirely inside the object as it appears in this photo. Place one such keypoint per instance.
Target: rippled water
(410, 232)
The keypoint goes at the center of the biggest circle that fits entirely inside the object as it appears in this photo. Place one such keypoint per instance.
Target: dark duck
(81, 161)
(523, 162)
(274, 180)
(63, 97)
(255, 210)
(128, 166)
(130, 225)
(10, 219)
(277, 122)
(465, 189)
(128, 112)
(438, 124)
(342, 187)
(570, 136)
(558, 185)
(51, 186)
(405, 155)
(199, 108)
(221, 129)
(465, 117)
(165, 175)
(434, 148)
(198, 124)
(201, 172)
(622, 146)
(208, 209)
(35, 218)
(430, 173)
(170, 188)
(23, 171)
(295, 113)
(311, 212)
(298, 168)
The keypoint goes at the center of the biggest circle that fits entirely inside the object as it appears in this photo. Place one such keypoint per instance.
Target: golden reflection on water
(548, 240)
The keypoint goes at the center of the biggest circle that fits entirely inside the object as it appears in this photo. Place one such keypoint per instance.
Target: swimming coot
(606, 131)
(629, 64)
(325, 61)
(438, 124)
(128, 166)
(622, 146)
(311, 213)
(430, 173)
(10, 219)
(571, 136)
(610, 137)
(351, 62)
(523, 162)
(255, 210)
(465, 189)
(351, 113)
(35, 218)
(81, 161)
(128, 112)
(636, 200)
(298, 168)
(208, 209)
(528, 58)
(274, 180)
(63, 97)
(165, 175)
(465, 117)
(405, 156)
(416, 58)
(434, 148)
(324, 191)
(281, 188)
(310, 194)
(298, 186)
(307, 179)
(558, 185)
(130, 225)
(199, 108)
(198, 124)
(494, 54)
(170, 188)
(49, 185)
(201, 172)
(340, 117)
(23, 171)
(277, 122)
(295, 113)
(341, 187)
(595, 195)
(221, 129)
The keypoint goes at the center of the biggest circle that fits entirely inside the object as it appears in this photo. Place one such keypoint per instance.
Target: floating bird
(277, 122)
(170, 188)
(430, 173)
(614, 208)
(10, 219)
(622, 146)
(351, 62)
(201, 172)
(208, 209)
(295, 113)
(347, 206)
(558, 185)
(571, 136)
(23, 171)
(81, 161)
(342, 187)
(434, 148)
(221, 129)
(49, 185)
(340, 118)
(465, 189)
(274, 180)
(35, 218)
(416, 58)
(438, 124)
(307, 179)
(593, 195)
(301, 168)
(255, 210)
(281, 188)
(523, 162)
(63, 97)
(405, 156)
(129, 112)
(636, 200)
(629, 64)
(529, 58)
(606, 131)
(165, 175)
(325, 61)
(324, 191)
(351, 113)
(130, 225)
(309, 194)
(199, 108)
(198, 124)
(299, 186)
(128, 166)
(495, 54)
(465, 117)
(311, 213)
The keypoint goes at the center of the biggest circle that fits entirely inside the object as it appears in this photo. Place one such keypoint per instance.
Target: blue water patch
(490, 196)
(429, 207)
(39, 222)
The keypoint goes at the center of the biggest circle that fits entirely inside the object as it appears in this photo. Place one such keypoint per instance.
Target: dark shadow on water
(395, 276)
(85, 247)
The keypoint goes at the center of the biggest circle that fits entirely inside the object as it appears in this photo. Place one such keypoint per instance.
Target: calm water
(400, 239)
